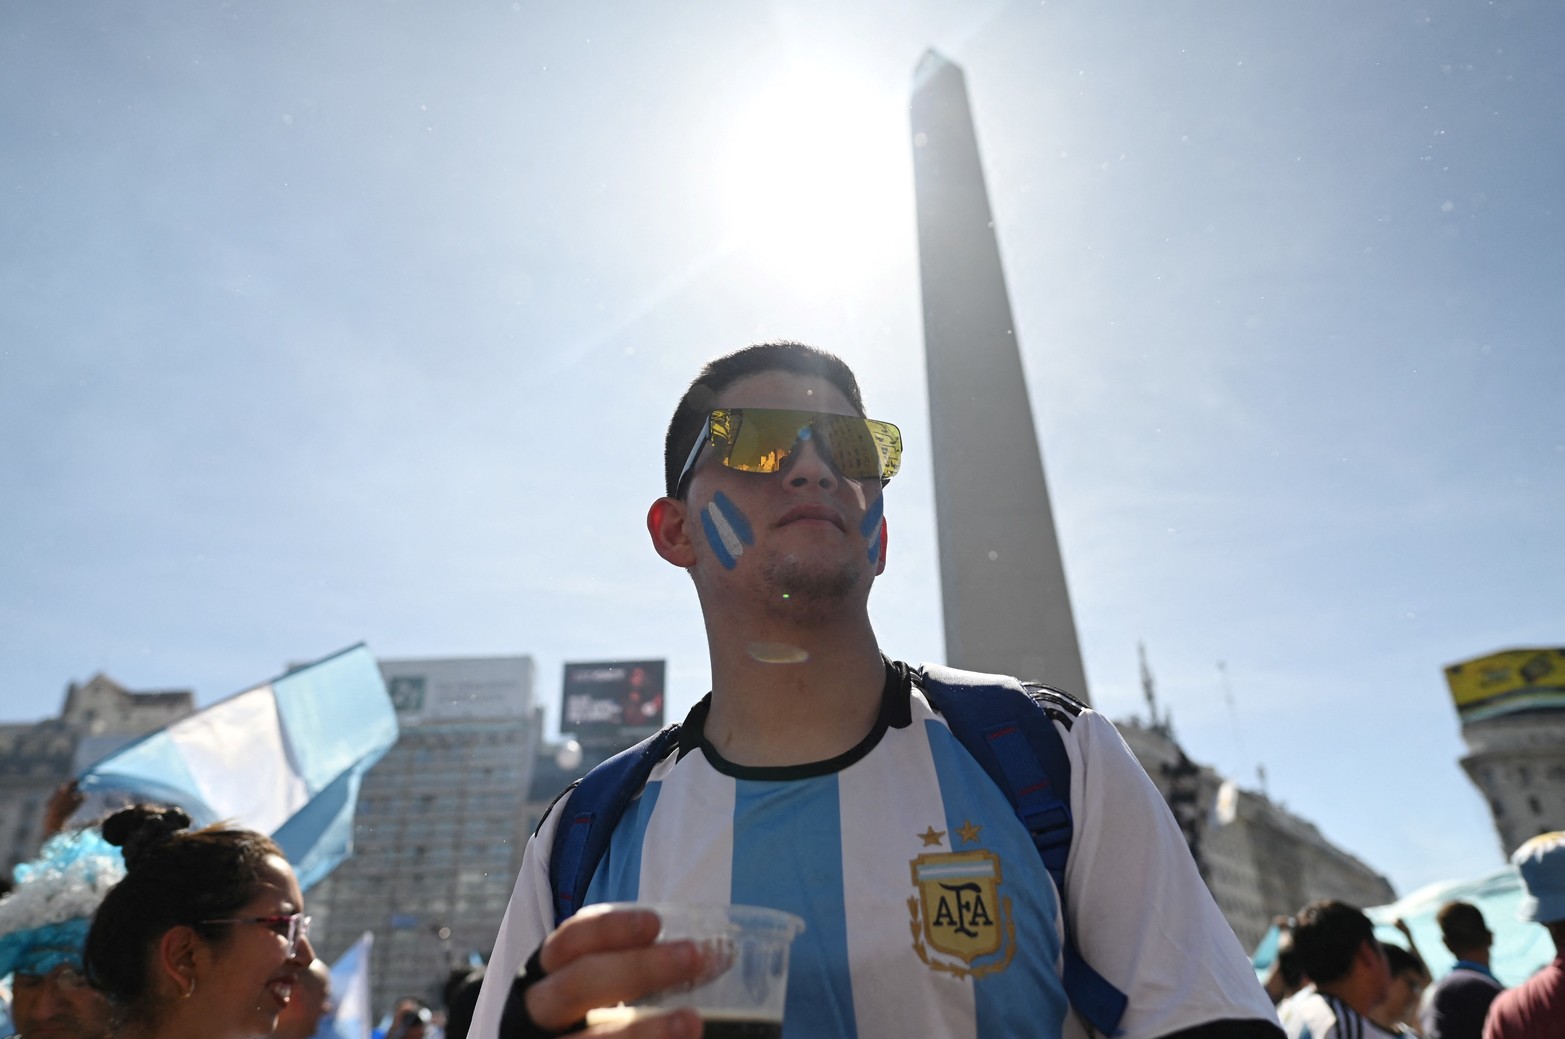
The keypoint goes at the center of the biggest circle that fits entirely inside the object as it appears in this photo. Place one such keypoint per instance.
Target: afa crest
(961, 922)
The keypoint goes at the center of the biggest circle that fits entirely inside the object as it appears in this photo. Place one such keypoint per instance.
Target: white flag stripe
(236, 754)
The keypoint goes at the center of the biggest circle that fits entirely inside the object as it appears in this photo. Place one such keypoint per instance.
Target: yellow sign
(1512, 680)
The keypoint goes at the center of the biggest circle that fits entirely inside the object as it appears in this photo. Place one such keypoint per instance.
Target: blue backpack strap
(591, 810)
(1012, 737)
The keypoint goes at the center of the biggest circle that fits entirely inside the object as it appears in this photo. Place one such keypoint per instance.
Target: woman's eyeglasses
(292, 926)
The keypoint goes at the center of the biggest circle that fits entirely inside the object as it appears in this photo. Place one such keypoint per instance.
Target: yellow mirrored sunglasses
(759, 440)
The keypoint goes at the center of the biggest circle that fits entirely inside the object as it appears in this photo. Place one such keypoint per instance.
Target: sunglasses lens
(759, 440)
(863, 449)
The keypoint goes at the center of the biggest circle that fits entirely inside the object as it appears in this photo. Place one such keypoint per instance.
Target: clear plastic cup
(742, 992)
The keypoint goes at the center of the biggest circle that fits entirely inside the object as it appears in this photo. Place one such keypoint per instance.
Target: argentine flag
(284, 758)
(350, 992)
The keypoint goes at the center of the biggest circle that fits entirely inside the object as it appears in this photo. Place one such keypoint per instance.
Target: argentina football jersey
(927, 909)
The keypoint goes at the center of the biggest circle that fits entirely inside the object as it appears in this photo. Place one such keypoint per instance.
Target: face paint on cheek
(870, 527)
(727, 530)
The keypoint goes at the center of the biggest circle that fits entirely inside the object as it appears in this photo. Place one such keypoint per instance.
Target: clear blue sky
(361, 321)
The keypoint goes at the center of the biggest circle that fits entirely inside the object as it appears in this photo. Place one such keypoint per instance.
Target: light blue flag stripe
(333, 713)
(154, 770)
(350, 987)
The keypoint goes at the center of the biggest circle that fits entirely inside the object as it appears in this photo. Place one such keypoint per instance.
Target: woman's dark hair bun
(142, 828)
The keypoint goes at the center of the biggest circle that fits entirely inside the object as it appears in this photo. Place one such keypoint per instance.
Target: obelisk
(1006, 606)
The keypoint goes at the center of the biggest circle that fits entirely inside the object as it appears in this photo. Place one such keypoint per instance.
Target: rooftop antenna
(1233, 716)
(1149, 691)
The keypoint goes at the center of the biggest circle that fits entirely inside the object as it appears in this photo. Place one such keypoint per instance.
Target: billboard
(1506, 682)
(612, 703)
(459, 689)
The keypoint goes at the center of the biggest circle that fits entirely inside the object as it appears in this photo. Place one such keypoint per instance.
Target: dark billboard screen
(613, 702)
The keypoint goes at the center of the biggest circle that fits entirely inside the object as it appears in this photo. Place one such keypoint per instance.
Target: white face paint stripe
(725, 530)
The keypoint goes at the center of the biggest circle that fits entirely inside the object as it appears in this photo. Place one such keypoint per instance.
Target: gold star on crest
(969, 831)
(932, 837)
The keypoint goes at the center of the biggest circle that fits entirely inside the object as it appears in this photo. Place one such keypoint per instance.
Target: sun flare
(815, 178)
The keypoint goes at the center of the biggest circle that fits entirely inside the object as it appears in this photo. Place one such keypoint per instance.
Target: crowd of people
(1333, 979)
(971, 855)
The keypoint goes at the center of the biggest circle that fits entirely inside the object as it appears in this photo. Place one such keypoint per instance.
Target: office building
(440, 827)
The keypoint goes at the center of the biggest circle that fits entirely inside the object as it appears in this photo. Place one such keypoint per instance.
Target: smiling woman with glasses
(205, 937)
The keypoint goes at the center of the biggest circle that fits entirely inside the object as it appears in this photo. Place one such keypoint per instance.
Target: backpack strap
(1009, 732)
(592, 808)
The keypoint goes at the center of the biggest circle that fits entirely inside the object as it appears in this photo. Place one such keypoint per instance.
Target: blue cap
(1541, 863)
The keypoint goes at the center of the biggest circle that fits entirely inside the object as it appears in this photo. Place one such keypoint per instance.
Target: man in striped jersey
(817, 778)
(1337, 947)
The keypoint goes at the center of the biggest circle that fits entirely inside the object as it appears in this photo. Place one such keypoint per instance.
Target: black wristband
(515, 1021)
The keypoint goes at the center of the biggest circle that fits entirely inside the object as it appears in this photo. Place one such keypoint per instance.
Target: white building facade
(97, 717)
(1259, 860)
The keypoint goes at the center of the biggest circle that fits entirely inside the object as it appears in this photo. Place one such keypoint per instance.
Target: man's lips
(818, 513)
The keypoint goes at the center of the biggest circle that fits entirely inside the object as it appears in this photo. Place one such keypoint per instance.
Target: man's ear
(670, 531)
(1370, 956)
(880, 564)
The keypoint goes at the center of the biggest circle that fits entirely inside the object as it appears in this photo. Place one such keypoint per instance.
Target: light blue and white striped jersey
(1312, 1015)
(928, 911)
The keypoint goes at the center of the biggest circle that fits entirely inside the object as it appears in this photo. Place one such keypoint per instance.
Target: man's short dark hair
(718, 375)
(1327, 935)
(1288, 960)
(1462, 926)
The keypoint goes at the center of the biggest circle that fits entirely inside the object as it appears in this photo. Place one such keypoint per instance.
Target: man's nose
(809, 464)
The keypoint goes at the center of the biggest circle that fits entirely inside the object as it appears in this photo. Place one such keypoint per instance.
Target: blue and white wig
(44, 920)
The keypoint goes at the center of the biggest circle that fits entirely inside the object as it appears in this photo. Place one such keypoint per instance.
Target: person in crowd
(308, 1004)
(1398, 1012)
(43, 927)
(817, 772)
(1338, 952)
(205, 938)
(1286, 976)
(1535, 1009)
(413, 1020)
(461, 995)
(1457, 1005)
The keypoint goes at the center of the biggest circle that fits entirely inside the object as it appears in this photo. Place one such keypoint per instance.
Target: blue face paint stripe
(871, 522)
(736, 518)
(870, 528)
(802, 875)
(715, 539)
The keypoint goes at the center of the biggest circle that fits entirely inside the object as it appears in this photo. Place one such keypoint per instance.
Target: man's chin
(799, 588)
